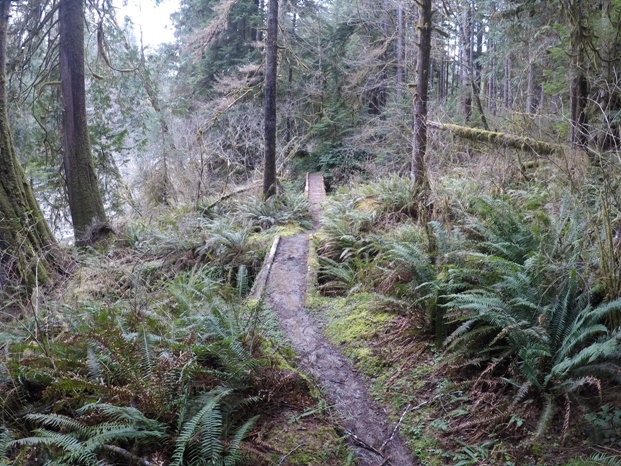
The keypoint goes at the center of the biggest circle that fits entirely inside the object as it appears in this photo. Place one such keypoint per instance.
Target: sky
(155, 20)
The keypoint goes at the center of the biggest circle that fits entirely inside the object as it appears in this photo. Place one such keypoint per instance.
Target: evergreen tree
(28, 250)
(85, 202)
(271, 71)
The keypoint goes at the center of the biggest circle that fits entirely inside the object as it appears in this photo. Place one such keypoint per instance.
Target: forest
(465, 262)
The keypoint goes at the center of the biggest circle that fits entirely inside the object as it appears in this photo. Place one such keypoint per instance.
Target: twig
(284, 457)
(127, 455)
(364, 444)
(394, 431)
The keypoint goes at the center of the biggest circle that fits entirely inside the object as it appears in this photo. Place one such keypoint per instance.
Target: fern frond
(610, 369)
(233, 451)
(123, 414)
(190, 428)
(591, 353)
(210, 442)
(70, 445)
(605, 460)
(242, 281)
(545, 417)
(95, 371)
(58, 421)
(5, 440)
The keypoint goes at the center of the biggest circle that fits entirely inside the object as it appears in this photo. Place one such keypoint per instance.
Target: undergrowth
(153, 355)
(514, 291)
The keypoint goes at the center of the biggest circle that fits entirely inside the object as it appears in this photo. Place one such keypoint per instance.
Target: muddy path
(374, 439)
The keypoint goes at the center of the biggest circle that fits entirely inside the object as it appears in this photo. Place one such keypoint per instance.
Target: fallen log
(230, 194)
(522, 143)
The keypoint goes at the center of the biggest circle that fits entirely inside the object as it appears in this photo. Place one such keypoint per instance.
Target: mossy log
(522, 143)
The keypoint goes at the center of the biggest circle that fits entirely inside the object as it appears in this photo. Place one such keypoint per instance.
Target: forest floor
(374, 439)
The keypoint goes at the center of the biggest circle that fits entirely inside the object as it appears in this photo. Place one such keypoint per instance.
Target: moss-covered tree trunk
(85, 202)
(27, 247)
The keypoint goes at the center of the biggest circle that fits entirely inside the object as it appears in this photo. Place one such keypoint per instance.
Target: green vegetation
(153, 355)
(494, 319)
(484, 302)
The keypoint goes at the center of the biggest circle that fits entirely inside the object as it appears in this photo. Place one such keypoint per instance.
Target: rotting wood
(522, 143)
(259, 285)
(224, 197)
(306, 185)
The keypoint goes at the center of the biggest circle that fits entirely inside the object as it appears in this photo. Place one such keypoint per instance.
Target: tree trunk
(28, 250)
(466, 61)
(491, 83)
(442, 81)
(289, 135)
(494, 138)
(419, 141)
(579, 87)
(506, 97)
(271, 68)
(400, 50)
(579, 96)
(85, 203)
(530, 89)
(162, 188)
(491, 80)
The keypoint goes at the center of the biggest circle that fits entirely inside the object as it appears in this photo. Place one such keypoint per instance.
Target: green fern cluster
(525, 304)
(110, 383)
(5, 439)
(101, 434)
(510, 285)
(201, 438)
(62, 439)
(288, 207)
(346, 246)
(395, 195)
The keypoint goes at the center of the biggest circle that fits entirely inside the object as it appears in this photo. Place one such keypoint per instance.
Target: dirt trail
(376, 442)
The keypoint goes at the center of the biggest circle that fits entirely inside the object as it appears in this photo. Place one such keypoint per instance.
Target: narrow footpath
(375, 440)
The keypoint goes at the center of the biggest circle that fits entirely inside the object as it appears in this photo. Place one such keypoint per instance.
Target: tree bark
(491, 67)
(466, 61)
(400, 49)
(530, 87)
(579, 87)
(419, 141)
(28, 250)
(579, 97)
(271, 68)
(85, 202)
(506, 95)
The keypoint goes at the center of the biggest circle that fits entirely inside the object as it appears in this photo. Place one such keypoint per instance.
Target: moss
(525, 144)
(279, 358)
(288, 230)
(368, 204)
(352, 322)
(308, 443)
(352, 319)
